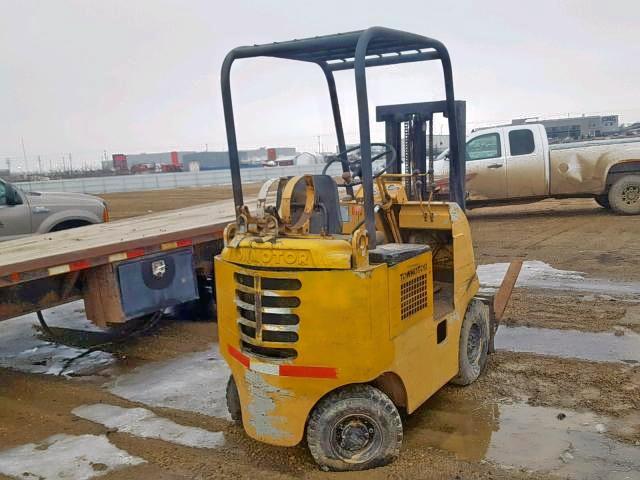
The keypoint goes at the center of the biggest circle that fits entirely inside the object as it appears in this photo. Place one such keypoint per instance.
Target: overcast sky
(131, 76)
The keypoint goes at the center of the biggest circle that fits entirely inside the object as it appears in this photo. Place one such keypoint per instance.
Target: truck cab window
(3, 194)
(521, 142)
(483, 147)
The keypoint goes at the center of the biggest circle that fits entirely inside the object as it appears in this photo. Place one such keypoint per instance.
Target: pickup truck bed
(42, 271)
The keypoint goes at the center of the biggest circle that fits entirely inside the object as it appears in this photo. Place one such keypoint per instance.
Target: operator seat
(326, 214)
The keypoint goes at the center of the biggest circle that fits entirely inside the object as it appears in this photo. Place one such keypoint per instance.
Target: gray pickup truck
(516, 164)
(23, 213)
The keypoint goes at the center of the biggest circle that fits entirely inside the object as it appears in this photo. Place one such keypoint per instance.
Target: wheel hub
(354, 435)
(631, 194)
(474, 343)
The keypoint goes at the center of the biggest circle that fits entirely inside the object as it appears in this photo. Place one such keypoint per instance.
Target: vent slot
(413, 296)
(271, 318)
(269, 301)
(270, 283)
(270, 336)
(269, 353)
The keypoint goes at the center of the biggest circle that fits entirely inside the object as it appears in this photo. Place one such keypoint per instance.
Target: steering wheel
(354, 165)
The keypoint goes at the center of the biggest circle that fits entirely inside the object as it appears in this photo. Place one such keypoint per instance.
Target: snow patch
(65, 456)
(195, 383)
(537, 274)
(146, 424)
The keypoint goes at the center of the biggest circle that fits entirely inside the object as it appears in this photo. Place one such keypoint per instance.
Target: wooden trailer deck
(60, 252)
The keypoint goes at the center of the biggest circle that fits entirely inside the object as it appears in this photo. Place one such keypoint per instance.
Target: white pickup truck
(515, 164)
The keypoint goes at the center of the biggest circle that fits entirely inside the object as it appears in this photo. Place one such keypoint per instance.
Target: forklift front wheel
(355, 428)
(475, 336)
(233, 401)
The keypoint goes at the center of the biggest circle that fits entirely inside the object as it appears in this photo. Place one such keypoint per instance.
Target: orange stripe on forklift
(283, 370)
(311, 372)
(243, 359)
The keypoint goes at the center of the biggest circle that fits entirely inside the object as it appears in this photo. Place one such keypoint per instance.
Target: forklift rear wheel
(474, 343)
(233, 401)
(355, 428)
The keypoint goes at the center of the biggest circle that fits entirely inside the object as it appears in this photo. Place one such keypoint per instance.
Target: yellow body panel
(296, 253)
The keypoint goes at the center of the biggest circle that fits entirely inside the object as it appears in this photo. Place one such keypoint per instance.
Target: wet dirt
(574, 234)
(619, 346)
(514, 431)
(571, 310)
(568, 444)
(608, 389)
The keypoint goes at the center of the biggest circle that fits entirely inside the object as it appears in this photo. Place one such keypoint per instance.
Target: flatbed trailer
(122, 269)
(110, 266)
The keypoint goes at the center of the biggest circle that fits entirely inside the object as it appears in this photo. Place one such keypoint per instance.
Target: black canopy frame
(375, 46)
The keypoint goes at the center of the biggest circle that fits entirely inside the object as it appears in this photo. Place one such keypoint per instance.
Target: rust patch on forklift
(262, 406)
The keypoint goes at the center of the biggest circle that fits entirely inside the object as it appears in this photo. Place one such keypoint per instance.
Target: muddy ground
(530, 416)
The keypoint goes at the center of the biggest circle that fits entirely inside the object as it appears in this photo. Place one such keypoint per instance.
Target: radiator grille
(266, 315)
(413, 295)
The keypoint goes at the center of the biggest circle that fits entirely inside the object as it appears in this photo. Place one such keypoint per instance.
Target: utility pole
(70, 164)
(319, 148)
(24, 154)
(39, 165)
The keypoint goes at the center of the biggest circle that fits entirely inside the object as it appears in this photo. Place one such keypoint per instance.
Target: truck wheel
(475, 336)
(624, 195)
(355, 428)
(603, 200)
(233, 401)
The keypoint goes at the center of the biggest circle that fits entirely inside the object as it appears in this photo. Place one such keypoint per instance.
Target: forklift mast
(409, 129)
(357, 51)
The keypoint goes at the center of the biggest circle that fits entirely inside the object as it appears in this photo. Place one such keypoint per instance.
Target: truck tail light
(105, 214)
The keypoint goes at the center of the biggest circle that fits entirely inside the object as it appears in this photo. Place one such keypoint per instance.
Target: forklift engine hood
(291, 253)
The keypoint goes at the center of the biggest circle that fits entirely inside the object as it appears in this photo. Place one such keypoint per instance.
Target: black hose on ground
(150, 324)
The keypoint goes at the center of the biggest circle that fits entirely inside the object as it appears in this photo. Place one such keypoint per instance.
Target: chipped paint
(454, 212)
(262, 406)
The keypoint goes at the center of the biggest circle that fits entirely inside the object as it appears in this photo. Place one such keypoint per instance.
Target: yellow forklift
(343, 303)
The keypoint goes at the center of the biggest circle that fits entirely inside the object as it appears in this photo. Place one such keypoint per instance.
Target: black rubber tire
(367, 410)
(472, 357)
(233, 401)
(603, 200)
(624, 195)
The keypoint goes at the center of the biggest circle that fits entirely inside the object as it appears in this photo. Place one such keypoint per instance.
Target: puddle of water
(598, 347)
(536, 274)
(521, 436)
(146, 424)
(65, 456)
(196, 383)
(21, 348)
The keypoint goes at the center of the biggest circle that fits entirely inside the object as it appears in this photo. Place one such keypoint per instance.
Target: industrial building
(195, 161)
(577, 127)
